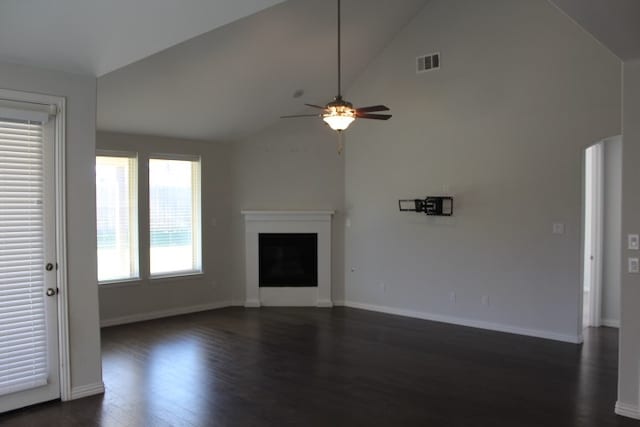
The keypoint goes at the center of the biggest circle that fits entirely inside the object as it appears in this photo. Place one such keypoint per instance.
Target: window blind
(26, 111)
(23, 334)
(174, 216)
(117, 219)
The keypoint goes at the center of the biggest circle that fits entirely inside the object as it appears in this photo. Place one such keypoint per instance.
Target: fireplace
(288, 259)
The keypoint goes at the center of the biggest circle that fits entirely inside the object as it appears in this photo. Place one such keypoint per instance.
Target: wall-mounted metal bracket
(431, 205)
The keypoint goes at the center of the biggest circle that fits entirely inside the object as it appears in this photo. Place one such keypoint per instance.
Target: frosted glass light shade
(339, 117)
(338, 122)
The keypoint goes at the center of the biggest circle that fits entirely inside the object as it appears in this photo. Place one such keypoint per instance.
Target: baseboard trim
(324, 304)
(140, 317)
(626, 410)
(611, 323)
(574, 339)
(86, 390)
(252, 303)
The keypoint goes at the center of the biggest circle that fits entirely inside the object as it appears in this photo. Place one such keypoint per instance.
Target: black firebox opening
(288, 259)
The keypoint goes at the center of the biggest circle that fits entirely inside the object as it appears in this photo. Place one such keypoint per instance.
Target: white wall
(80, 92)
(292, 165)
(612, 222)
(145, 298)
(629, 373)
(521, 93)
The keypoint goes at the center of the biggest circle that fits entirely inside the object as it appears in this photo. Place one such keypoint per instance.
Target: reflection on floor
(339, 367)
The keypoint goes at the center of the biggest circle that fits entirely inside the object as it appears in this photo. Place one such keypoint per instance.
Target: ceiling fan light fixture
(339, 114)
(339, 117)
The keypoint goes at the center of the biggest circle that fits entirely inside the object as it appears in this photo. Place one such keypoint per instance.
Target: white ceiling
(98, 36)
(238, 79)
(615, 23)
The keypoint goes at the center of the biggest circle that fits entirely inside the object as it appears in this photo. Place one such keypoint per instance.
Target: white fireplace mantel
(288, 221)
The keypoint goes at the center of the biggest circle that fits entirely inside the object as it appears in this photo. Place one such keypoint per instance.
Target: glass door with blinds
(29, 369)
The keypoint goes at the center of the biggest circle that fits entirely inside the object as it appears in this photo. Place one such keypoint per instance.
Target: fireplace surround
(283, 223)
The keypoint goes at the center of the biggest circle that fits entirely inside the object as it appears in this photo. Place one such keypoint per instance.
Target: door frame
(57, 106)
(594, 301)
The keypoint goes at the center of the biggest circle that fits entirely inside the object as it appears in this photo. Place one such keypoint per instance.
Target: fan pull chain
(340, 143)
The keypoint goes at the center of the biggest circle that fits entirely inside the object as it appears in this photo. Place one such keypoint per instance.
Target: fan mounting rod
(339, 54)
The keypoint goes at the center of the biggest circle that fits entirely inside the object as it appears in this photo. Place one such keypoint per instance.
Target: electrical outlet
(452, 297)
(485, 300)
(634, 242)
(634, 265)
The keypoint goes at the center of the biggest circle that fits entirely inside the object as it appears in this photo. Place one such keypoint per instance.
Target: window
(174, 216)
(117, 217)
(174, 245)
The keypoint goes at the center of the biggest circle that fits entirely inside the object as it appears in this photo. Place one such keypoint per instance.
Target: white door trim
(61, 250)
(598, 223)
(594, 247)
(58, 107)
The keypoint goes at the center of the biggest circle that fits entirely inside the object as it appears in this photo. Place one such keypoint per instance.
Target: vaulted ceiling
(237, 79)
(223, 69)
(99, 36)
(615, 23)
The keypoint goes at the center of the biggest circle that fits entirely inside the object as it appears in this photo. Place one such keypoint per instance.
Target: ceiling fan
(339, 114)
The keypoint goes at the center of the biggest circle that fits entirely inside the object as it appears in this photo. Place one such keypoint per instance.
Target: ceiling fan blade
(299, 115)
(374, 116)
(372, 108)
(315, 106)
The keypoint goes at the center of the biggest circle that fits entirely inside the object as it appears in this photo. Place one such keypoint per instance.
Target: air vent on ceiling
(427, 62)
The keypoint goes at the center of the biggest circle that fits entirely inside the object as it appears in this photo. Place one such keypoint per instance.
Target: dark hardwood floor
(340, 367)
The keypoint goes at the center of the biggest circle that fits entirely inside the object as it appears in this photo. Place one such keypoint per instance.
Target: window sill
(188, 275)
(120, 283)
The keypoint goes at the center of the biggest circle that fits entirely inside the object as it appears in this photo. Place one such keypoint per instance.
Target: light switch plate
(634, 242)
(558, 228)
(634, 265)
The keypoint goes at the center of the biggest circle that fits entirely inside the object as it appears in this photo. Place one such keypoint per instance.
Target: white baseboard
(382, 309)
(87, 390)
(338, 303)
(258, 304)
(575, 339)
(627, 410)
(139, 317)
(611, 323)
(252, 303)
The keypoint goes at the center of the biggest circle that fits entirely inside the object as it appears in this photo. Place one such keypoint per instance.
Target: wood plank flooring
(339, 367)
